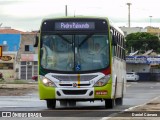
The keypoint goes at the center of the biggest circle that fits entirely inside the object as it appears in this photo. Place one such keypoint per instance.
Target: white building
(130, 30)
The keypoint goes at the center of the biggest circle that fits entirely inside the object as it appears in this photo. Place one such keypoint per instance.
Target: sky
(26, 15)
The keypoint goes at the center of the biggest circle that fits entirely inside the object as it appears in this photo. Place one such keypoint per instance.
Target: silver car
(132, 76)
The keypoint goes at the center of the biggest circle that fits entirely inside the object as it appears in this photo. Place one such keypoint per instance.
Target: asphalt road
(137, 93)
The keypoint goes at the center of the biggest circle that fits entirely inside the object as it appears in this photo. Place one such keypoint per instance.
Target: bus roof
(88, 17)
(117, 28)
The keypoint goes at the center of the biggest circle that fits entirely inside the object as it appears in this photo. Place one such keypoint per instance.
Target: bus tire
(51, 103)
(109, 103)
(72, 103)
(63, 103)
(119, 101)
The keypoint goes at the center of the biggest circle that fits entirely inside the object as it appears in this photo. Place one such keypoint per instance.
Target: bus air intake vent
(74, 78)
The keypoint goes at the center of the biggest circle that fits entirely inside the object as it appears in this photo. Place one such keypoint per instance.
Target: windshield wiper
(85, 39)
(65, 39)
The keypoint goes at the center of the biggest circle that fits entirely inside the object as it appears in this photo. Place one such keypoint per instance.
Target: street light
(129, 19)
(66, 10)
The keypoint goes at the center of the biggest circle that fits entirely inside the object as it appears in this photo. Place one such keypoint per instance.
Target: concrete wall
(149, 76)
(128, 30)
(12, 40)
(140, 68)
(27, 60)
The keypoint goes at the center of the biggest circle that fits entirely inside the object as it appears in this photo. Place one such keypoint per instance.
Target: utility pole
(1, 24)
(129, 19)
(150, 20)
(66, 10)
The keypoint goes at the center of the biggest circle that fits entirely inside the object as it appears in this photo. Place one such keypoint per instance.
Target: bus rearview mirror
(36, 41)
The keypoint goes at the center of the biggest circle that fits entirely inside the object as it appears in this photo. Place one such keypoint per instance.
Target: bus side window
(114, 40)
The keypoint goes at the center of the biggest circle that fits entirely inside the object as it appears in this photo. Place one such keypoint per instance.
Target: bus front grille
(70, 85)
(74, 77)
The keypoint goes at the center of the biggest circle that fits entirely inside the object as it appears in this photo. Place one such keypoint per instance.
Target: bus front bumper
(75, 93)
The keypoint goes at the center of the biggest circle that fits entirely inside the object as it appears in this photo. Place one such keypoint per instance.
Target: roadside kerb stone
(18, 86)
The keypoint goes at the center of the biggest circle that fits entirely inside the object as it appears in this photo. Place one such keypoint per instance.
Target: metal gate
(26, 71)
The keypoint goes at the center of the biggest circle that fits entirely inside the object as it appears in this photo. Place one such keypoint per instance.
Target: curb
(18, 86)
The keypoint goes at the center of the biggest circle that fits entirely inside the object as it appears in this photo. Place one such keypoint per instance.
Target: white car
(132, 76)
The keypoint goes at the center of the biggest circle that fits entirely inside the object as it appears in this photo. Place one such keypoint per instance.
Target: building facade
(10, 42)
(19, 58)
(8, 65)
(129, 30)
(148, 67)
(149, 29)
(154, 31)
(27, 57)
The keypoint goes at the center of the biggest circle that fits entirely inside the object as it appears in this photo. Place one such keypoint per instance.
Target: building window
(23, 63)
(26, 47)
(35, 63)
(29, 48)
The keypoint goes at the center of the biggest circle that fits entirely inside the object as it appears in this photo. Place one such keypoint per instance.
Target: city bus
(81, 59)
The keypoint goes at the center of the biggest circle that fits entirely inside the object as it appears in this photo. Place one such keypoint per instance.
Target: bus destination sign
(74, 26)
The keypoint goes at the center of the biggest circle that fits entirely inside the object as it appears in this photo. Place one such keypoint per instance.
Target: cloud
(9, 2)
(27, 14)
(25, 24)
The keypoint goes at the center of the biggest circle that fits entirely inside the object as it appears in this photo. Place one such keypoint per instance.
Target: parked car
(132, 76)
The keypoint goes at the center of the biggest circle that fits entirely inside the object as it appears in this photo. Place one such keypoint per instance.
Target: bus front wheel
(109, 103)
(51, 103)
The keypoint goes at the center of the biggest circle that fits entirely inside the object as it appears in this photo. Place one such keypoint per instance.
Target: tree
(142, 41)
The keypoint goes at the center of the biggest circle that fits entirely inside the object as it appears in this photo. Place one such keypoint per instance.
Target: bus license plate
(101, 92)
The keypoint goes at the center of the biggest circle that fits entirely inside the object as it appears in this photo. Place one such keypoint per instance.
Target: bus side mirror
(114, 40)
(36, 41)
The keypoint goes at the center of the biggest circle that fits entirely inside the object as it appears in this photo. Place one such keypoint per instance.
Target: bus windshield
(66, 52)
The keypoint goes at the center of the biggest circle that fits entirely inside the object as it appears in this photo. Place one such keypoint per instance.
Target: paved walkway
(147, 111)
(18, 85)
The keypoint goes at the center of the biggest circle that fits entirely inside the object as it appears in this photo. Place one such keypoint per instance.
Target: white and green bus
(81, 59)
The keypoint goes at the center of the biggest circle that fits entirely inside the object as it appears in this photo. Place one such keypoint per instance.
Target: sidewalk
(19, 84)
(19, 89)
(146, 111)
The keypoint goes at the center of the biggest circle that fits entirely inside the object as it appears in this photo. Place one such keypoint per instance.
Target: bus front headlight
(103, 81)
(47, 82)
